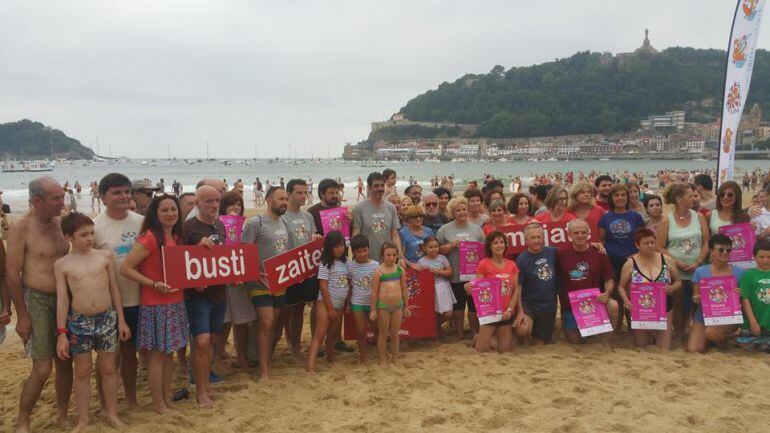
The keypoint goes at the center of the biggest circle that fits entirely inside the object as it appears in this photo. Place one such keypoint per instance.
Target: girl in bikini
(389, 301)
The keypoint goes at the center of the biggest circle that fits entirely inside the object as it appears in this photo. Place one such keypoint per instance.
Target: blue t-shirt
(411, 242)
(705, 272)
(537, 276)
(619, 229)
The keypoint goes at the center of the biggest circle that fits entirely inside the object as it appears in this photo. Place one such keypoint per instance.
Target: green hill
(26, 139)
(585, 93)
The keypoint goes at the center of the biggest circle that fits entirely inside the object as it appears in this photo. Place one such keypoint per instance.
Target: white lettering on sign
(213, 267)
(304, 263)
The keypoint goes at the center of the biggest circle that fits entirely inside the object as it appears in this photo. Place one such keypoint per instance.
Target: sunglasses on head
(724, 250)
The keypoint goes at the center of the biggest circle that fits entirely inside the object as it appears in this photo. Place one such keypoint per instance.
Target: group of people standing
(81, 285)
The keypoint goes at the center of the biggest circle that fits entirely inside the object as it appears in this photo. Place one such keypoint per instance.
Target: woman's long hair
(152, 222)
(332, 240)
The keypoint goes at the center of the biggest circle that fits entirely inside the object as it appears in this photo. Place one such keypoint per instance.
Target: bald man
(206, 304)
(218, 184)
(35, 242)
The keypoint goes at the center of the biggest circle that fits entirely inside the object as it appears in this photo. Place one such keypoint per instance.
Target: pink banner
(743, 238)
(487, 297)
(471, 254)
(233, 228)
(648, 302)
(590, 314)
(720, 302)
(336, 219)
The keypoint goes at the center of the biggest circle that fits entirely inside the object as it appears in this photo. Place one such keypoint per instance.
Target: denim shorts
(204, 316)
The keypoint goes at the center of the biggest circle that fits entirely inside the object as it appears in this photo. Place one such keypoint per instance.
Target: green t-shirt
(755, 286)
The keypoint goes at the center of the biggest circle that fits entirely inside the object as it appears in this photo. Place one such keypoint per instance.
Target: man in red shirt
(603, 184)
(582, 266)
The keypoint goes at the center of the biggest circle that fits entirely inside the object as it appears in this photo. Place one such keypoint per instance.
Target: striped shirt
(361, 279)
(337, 277)
(440, 262)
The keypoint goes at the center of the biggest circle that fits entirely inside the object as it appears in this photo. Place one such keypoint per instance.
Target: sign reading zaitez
(186, 266)
(293, 266)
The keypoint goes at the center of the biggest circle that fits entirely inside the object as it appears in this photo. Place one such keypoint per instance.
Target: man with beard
(270, 234)
(301, 230)
(376, 218)
(35, 242)
(603, 184)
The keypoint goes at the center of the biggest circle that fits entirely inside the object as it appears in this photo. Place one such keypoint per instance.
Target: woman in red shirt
(581, 204)
(495, 265)
(498, 217)
(556, 203)
(163, 324)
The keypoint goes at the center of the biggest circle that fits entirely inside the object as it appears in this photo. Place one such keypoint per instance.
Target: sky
(142, 78)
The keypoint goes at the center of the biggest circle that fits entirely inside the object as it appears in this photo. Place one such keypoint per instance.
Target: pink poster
(471, 254)
(743, 238)
(233, 228)
(487, 297)
(590, 314)
(336, 219)
(648, 302)
(720, 302)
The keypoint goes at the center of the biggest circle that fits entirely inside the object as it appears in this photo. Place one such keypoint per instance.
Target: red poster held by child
(294, 266)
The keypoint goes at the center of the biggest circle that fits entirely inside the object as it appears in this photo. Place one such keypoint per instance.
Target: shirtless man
(35, 242)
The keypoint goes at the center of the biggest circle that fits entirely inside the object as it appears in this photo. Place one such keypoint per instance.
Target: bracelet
(61, 331)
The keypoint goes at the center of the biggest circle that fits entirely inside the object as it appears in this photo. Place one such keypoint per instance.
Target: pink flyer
(743, 238)
(590, 314)
(471, 254)
(487, 297)
(233, 228)
(648, 301)
(336, 219)
(721, 304)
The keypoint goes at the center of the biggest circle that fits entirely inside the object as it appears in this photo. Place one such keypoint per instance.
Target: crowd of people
(81, 285)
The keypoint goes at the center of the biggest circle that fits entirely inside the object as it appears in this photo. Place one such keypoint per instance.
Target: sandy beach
(447, 387)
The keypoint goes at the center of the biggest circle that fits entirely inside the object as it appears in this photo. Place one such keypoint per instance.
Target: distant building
(672, 121)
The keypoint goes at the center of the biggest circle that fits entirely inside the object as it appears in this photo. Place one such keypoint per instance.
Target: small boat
(26, 166)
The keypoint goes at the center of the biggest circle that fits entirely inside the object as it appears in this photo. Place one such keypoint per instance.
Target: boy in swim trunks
(89, 315)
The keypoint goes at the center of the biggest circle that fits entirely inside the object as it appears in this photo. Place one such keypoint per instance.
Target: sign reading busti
(186, 266)
(294, 266)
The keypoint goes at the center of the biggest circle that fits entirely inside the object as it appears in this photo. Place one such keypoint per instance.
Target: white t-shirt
(763, 220)
(118, 236)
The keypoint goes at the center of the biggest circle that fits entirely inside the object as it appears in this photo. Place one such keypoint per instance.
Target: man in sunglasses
(432, 219)
(142, 191)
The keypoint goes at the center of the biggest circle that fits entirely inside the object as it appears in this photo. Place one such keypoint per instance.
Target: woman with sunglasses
(720, 247)
(728, 207)
(413, 234)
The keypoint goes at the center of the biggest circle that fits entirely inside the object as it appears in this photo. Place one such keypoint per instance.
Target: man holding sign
(205, 304)
(270, 233)
(581, 266)
(301, 230)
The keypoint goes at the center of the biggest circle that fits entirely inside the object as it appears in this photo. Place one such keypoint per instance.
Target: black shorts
(463, 298)
(542, 322)
(310, 290)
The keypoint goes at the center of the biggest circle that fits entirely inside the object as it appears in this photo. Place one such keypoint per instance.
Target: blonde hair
(576, 189)
(454, 204)
(552, 199)
(675, 191)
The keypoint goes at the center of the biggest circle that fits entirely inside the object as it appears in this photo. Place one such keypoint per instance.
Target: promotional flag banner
(740, 62)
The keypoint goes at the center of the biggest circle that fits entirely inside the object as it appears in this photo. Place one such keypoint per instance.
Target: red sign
(186, 266)
(422, 298)
(293, 266)
(555, 236)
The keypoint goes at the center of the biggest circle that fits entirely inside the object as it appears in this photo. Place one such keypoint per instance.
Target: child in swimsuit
(334, 294)
(361, 269)
(89, 316)
(389, 301)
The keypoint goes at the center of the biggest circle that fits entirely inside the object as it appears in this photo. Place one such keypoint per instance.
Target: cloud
(306, 74)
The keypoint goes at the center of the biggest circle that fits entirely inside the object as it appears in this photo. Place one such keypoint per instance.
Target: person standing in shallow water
(35, 242)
